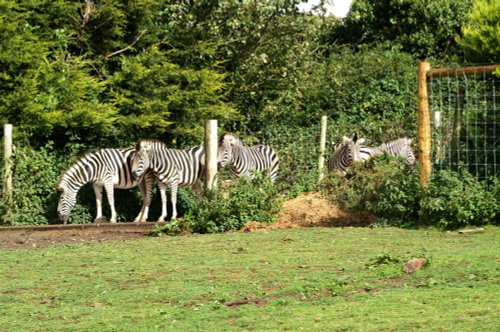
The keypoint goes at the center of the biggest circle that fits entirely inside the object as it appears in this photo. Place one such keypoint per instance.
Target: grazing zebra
(345, 153)
(172, 167)
(400, 147)
(245, 161)
(108, 169)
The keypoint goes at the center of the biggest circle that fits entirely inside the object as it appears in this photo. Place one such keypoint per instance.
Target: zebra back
(400, 147)
(100, 166)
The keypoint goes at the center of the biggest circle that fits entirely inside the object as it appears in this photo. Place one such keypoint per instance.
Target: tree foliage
(481, 35)
(424, 28)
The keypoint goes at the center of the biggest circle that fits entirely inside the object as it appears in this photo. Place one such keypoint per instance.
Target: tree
(424, 28)
(95, 72)
(480, 38)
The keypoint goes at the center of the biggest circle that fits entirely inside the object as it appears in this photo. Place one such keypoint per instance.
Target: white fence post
(7, 154)
(211, 149)
(322, 145)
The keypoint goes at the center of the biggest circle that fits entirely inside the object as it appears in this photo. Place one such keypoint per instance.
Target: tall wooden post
(211, 149)
(7, 154)
(424, 125)
(322, 144)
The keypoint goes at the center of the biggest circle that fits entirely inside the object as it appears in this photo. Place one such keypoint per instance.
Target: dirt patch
(312, 210)
(15, 239)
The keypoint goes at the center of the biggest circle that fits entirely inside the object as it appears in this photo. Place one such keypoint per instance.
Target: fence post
(211, 148)
(322, 144)
(424, 125)
(7, 146)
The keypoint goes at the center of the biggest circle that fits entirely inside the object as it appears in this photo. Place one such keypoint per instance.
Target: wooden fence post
(322, 144)
(7, 146)
(424, 125)
(211, 149)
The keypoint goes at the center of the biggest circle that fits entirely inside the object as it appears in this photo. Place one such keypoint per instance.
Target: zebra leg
(111, 200)
(145, 188)
(163, 194)
(173, 199)
(98, 202)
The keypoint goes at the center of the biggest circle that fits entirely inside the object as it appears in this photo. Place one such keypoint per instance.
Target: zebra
(351, 150)
(345, 153)
(108, 169)
(245, 161)
(400, 147)
(172, 167)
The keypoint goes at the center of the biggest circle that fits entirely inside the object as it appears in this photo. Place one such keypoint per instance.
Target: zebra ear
(345, 139)
(361, 140)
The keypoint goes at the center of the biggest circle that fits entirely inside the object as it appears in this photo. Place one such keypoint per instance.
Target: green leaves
(424, 28)
(480, 38)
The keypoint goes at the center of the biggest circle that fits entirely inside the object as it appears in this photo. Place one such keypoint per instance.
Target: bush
(455, 200)
(388, 189)
(396, 200)
(33, 193)
(363, 181)
(234, 204)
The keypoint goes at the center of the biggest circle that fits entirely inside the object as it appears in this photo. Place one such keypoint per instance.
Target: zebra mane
(81, 156)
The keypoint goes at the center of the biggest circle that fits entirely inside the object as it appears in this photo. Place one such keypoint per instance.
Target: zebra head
(67, 200)
(350, 146)
(227, 143)
(140, 159)
(345, 153)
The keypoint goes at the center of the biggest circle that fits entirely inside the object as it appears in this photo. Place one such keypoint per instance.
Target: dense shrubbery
(234, 204)
(33, 194)
(385, 187)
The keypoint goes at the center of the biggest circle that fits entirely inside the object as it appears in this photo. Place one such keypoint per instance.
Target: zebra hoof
(100, 220)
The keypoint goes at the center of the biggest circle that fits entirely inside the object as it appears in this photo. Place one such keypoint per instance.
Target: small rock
(414, 265)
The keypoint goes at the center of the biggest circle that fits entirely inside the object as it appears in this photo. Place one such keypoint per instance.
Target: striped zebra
(345, 153)
(245, 161)
(400, 148)
(172, 167)
(351, 150)
(108, 169)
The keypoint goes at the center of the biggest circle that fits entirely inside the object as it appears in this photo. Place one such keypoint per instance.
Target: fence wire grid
(464, 123)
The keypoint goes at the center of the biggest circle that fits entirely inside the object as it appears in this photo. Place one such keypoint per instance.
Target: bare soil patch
(17, 238)
(312, 210)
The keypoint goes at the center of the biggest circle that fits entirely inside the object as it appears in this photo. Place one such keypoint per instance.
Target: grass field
(312, 279)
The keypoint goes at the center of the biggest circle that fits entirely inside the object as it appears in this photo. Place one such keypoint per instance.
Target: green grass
(312, 279)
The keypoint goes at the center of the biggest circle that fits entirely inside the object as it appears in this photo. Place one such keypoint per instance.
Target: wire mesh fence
(465, 122)
(298, 148)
